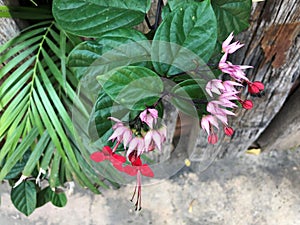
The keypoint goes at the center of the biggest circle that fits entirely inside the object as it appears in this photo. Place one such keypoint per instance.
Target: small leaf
(44, 196)
(24, 197)
(132, 86)
(59, 199)
(91, 18)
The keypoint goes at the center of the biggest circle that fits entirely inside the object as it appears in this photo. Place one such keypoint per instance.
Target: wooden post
(272, 46)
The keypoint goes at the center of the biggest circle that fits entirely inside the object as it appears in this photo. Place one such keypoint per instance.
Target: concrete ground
(245, 190)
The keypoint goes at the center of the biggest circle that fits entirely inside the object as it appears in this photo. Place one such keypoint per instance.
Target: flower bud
(255, 87)
(212, 138)
(247, 104)
(228, 131)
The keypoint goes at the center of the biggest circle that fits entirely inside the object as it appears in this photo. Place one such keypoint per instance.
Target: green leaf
(18, 153)
(187, 34)
(26, 13)
(36, 154)
(44, 196)
(232, 16)
(91, 18)
(24, 197)
(173, 4)
(59, 199)
(18, 168)
(186, 93)
(116, 48)
(132, 86)
(99, 124)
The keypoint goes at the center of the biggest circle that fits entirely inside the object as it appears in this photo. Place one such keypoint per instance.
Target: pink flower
(255, 87)
(149, 116)
(214, 108)
(121, 133)
(230, 48)
(207, 123)
(108, 154)
(154, 138)
(137, 169)
(136, 144)
(215, 85)
(229, 86)
(235, 71)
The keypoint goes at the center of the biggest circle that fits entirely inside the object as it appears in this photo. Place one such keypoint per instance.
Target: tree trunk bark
(272, 47)
(8, 27)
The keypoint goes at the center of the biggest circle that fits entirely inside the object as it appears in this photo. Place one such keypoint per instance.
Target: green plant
(44, 66)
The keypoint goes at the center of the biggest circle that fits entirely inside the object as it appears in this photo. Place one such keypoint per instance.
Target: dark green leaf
(59, 199)
(17, 169)
(116, 48)
(132, 86)
(24, 197)
(187, 35)
(232, 16)
(27, 13)
(92, 18)
(44, 196)
(99, 124)
(173, 4)
(186, 96)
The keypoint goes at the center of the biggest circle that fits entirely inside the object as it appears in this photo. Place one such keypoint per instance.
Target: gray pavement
(243, 190)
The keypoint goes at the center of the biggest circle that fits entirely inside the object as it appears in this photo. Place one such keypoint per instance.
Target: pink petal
(227, 41)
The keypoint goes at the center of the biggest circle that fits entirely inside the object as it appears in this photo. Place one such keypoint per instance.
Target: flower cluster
(136, 141)
(139, 139)
(227, 93)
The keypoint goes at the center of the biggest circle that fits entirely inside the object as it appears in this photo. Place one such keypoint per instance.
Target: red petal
(107, 150)
(97, 156)
(130, 170)
(146, 171)
(118, 166)
(119, 158)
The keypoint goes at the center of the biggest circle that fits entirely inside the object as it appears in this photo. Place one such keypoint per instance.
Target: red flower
(137, 168)
(255, 87)
(108, 154)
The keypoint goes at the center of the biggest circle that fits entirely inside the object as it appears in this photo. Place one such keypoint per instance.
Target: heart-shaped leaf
(91, 18)
(232, 16)
(24, 197)
(187, 34)
(132, 86)
(116, 48)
